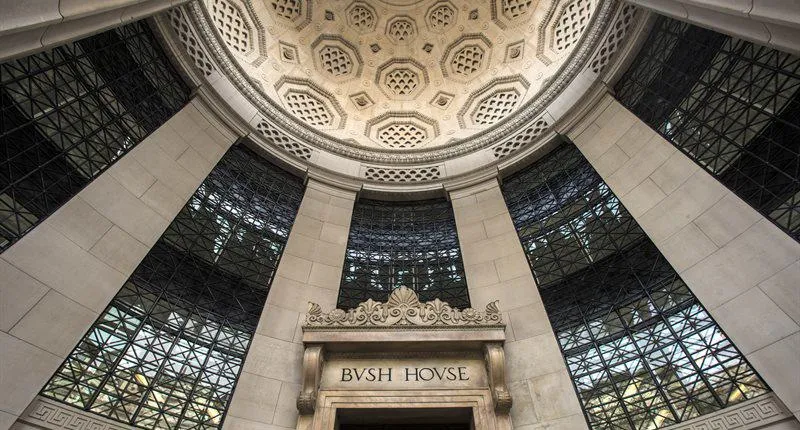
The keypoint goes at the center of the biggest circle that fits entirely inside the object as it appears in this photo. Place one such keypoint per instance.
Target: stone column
(310, 270)
(497, 269)
(33, 25)
(57, 279)
(743, 268)
(771, 23)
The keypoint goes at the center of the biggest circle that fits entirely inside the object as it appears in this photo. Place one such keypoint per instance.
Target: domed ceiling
(398, 90)
(400, 74)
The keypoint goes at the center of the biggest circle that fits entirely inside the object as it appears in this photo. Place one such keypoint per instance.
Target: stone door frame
(401, 325)
(479, 401)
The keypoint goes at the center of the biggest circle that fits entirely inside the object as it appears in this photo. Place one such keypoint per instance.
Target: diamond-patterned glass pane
(68, 113)
(168, 349)
(730, 105)
(642, 351)
(412, 244)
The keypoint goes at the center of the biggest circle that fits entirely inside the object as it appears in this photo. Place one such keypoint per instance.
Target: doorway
(405, 419)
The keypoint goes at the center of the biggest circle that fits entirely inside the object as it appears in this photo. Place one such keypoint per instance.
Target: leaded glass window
(168, 349)
(68, 113)
(731, 105)
(642, 351)
(412, 244)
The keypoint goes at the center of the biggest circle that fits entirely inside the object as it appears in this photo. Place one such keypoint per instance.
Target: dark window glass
(730, 105)
(641, 350)
(168, 349)
(412, 244)
(68, 113)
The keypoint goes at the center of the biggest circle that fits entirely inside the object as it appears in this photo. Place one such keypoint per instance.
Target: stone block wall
(310, 270)
(497, 269)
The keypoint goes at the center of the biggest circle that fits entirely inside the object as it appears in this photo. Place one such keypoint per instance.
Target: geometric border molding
(525, 137)
(401, 174)
(51, 414)
(749, 414)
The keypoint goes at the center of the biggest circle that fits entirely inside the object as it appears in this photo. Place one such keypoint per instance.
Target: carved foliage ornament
(403, 309)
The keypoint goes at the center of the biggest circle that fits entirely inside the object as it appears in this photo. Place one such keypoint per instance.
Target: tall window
(168, 349)
(68, 113)
(730, 105)
(412, 244)
(642, 351)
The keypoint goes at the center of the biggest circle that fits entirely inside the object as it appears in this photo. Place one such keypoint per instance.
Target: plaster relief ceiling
(399, 75)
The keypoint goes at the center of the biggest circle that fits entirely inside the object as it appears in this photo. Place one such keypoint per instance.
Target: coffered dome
(362, 86)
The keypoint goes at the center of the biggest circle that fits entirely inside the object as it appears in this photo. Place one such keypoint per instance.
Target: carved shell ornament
(403, 309)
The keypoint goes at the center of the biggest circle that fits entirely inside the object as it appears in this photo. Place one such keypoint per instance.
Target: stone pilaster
(497, 269)
(310, 270)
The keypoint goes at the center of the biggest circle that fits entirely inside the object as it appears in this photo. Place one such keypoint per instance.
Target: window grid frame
(161, 300)
(602, 323)
(658, 101)
(376, 245)
(76, 116)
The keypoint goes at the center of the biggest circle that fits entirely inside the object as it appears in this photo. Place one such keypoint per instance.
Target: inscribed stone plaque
(403, 373)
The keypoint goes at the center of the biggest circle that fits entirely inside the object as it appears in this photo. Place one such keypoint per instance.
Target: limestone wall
(310, 270)
(497, 269)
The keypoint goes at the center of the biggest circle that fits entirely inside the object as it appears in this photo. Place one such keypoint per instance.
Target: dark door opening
(405, 419)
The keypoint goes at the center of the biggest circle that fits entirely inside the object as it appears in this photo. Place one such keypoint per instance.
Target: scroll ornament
(403, 309)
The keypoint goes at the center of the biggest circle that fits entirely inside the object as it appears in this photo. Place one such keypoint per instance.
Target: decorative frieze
(617, 34)
(400, 174)
(403, 309)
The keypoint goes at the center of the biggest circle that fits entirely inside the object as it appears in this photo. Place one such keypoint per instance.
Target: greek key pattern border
(747, 415)
(50, 414)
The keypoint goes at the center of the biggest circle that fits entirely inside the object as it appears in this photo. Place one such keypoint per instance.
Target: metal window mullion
(641, 356)
(160, 371)
(607, 369)
(709, 386)
(113, 368)
(190, 394)
(64, 151)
